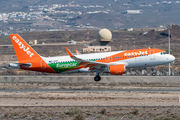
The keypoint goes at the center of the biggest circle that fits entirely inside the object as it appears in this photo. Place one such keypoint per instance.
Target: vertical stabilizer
(27, 57)
(22, 49)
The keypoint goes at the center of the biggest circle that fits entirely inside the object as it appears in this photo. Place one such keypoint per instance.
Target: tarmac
(90, 79)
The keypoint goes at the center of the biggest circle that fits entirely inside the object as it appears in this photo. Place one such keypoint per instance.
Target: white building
(97, 49)
(71, 42)
(132, 11)
(13, 16)
(130, 29)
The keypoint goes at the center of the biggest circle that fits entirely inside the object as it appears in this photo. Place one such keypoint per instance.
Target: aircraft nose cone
(172, 58)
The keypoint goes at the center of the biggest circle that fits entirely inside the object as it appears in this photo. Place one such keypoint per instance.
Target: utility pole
(169, 37)
(87, 34)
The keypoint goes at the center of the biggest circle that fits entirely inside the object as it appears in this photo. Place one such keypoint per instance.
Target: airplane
(115, 62)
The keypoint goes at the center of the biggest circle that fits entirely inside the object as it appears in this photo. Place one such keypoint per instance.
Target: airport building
(104, 37)
(33, 42)
(97, 49)
(71, 42)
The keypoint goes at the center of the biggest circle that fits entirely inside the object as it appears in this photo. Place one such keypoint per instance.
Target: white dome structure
(104, 36)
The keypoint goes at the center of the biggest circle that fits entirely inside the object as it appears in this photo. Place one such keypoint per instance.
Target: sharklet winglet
(69, 52)
(77, 52)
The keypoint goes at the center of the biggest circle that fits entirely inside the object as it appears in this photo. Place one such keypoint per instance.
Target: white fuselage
(141, 61)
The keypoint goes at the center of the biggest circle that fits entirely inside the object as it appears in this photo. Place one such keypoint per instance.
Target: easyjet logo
(23, 47)
(136, 53)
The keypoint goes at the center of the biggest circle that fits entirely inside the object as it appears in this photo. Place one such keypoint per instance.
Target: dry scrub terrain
(137, 105)
(80, 104)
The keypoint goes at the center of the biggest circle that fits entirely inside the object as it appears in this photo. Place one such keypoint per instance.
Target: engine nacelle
(117, 69)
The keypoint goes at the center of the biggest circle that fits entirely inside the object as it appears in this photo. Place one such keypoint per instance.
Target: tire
(97, 78)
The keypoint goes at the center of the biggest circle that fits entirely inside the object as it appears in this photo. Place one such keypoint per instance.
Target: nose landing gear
(153, 72)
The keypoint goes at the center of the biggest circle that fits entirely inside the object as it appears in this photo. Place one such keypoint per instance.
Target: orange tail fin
(22, 49)
(27, 55)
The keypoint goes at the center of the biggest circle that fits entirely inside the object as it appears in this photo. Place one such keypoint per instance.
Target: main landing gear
(97, 77)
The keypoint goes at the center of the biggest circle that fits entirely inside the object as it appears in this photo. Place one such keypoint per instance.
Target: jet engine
(117, 69)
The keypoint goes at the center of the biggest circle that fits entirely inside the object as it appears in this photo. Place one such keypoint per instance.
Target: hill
(121, 39)
(65, 14)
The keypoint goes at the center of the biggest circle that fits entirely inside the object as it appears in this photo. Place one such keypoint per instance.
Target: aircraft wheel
(97, 78)
(153, 74)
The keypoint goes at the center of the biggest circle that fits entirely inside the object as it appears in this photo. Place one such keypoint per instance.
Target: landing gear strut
(153, 72)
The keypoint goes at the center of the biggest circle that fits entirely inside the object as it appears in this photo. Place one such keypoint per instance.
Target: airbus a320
(114, 63)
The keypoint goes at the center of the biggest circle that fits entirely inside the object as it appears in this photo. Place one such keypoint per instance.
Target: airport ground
(72, 97)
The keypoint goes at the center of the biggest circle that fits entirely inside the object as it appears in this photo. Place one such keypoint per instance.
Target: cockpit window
(163, 53)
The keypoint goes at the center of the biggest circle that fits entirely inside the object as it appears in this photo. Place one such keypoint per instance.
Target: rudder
(27, 56)
(22, 49)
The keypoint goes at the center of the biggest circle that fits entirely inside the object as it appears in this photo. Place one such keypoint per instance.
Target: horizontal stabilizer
(17, 65)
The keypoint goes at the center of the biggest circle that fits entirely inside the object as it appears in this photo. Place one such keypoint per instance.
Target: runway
(89, 90)
(94, 106)
(90, 79)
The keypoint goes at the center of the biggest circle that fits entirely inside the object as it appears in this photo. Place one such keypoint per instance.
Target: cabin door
(152, 54)
(43, 65)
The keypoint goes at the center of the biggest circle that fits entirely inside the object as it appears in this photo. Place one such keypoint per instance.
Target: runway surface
(99, 106)
(90, 79)
(89, 90)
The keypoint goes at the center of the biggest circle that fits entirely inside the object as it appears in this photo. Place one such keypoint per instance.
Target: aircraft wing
(84, 62)
(92, 64)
